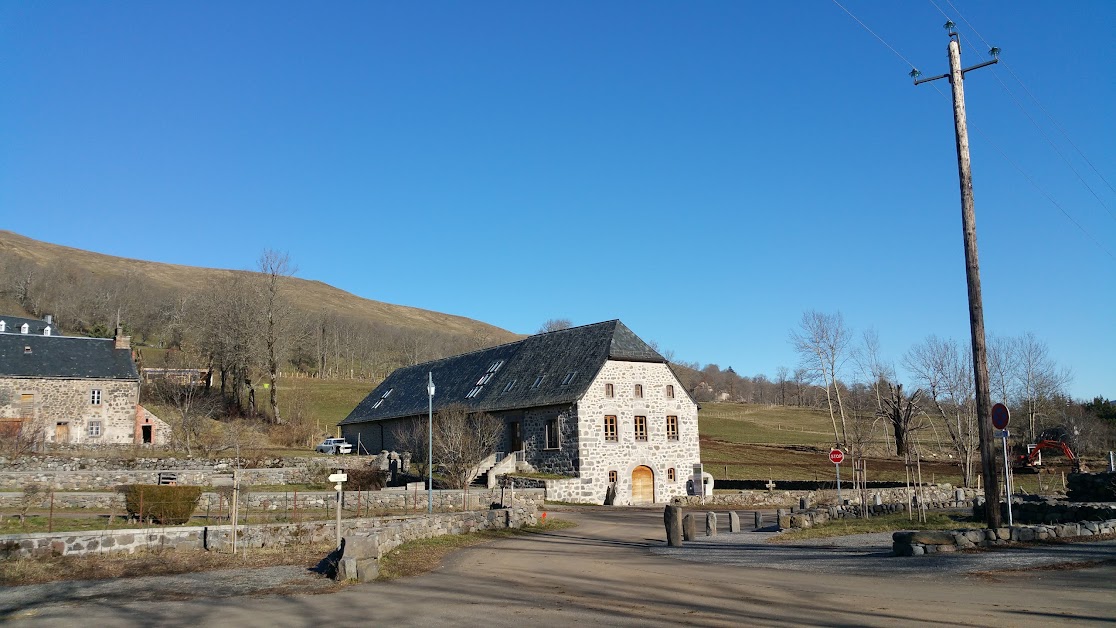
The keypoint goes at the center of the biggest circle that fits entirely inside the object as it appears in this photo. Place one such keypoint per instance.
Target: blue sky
(703, 171)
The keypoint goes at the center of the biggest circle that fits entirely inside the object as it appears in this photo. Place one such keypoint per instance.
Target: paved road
(612, 570)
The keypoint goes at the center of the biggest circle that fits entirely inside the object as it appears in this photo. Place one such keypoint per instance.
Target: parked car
(334, 446)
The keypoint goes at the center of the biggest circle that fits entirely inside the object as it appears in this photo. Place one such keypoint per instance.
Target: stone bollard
(759, 520)
(688, 526)
(672, 518)
(734, 521)
(782, 519)
(710, 524)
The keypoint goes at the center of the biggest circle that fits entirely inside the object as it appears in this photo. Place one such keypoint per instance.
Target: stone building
(595, 403)
(68, 389)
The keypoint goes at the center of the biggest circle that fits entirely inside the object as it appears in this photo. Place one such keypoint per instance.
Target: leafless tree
(946, 374)
(274, 268)
(411, 436)
(461, 440)
(822, 343)
(194, 409)
(555, 324)
(902, 412)
(1040, 381)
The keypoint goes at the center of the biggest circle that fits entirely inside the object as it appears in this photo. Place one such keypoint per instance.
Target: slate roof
(66, 357)
(553, 356)
(34, 325)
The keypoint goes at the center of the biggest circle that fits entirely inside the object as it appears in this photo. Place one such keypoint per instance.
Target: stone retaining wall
(391, 531)
(937, 496)
(307, 501)
(908, 543)
(1091, 487)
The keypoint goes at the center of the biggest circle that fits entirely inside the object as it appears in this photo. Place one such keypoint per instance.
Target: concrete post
(734, 521)
(710, 524)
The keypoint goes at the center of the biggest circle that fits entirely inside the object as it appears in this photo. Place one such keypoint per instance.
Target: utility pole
(956, 78)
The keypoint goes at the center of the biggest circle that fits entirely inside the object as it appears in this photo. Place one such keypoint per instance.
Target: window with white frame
(94, 429)
(553, 434)
(95, 397)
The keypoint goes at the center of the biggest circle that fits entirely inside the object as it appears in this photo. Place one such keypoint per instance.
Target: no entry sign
(836, 456)
(1000, 416)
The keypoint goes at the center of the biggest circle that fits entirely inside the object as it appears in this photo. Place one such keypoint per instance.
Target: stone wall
(918, 543)
(1091, 487)
(68, 401)
(937, 496)
(392, 530)
(1032, 510)
(308, 502)
(661, 454)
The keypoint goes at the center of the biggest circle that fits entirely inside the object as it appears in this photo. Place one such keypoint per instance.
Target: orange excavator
(1053, 439)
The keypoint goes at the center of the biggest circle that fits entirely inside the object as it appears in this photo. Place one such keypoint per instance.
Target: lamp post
(430, 444)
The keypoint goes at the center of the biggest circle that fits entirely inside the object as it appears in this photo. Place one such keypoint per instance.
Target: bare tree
(461, 440)
(411, 436)
(555, 324)
(902, 412)
(1040, 382)
(194, 409)
(274, 267)
(946, 374)
(822, 342)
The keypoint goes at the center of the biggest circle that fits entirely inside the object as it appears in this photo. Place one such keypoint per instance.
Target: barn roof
(540, 370)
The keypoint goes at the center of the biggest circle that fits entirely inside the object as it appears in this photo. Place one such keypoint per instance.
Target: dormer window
(46, 330)
(24, 328)
(3, 326)
(26, 350)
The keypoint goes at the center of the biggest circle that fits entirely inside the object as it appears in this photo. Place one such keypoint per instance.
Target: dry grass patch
(415, 558)
(884, 523)
(152, 563)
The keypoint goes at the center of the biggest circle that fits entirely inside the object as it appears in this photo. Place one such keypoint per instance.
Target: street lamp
(430, 444)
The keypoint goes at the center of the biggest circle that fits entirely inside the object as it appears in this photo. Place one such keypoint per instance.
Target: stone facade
(661, 453)
(64, 408)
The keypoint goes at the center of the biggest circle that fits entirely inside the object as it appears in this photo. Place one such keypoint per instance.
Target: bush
(367, 479)
(167, 505)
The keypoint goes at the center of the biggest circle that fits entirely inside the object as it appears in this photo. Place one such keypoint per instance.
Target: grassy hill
(305, 295)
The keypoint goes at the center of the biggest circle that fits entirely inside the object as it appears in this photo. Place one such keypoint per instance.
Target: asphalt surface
(613, 569)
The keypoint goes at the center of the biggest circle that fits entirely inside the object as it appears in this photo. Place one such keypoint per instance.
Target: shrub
(168, 505)
(366, 479)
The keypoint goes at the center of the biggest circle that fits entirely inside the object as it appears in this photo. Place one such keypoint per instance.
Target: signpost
(1000, 418)
(338, 477)
(836, 456)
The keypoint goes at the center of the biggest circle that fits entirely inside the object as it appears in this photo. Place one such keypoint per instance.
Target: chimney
(122, 341)
(48, 319)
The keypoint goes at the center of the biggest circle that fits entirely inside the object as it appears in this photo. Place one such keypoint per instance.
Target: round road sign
(1000, 416)
(836, 456)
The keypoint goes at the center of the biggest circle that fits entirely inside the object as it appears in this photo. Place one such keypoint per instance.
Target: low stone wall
(305, 501)
(1032, 510)
(937, 496)
(918, 543)
(1091, 487)
(391, 531)
(362, 549)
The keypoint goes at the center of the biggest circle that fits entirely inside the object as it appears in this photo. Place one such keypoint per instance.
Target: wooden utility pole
(972, 275)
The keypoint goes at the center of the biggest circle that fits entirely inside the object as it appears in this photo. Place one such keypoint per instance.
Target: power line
(1044, 110)
(1026, 176)
(889, 46)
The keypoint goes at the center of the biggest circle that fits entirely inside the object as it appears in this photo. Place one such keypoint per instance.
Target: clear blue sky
(703, 171)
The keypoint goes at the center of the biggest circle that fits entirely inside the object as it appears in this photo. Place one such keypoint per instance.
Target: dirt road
(603, 572)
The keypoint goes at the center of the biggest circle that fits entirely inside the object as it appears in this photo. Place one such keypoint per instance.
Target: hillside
(305, 295)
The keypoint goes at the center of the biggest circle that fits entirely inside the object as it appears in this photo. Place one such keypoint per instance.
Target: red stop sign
(836, 456)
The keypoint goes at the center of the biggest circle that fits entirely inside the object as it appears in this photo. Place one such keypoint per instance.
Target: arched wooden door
(643, 485)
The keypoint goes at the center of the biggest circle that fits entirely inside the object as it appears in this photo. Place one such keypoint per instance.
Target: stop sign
(836, 456)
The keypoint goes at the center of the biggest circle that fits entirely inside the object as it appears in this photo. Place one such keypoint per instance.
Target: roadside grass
(883, 523)
(152, 563)
(414, 558)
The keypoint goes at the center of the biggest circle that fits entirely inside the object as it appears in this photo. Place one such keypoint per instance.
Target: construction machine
(1054, 439)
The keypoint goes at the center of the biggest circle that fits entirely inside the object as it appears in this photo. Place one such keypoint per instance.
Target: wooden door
(62, 433)
(515, 436)
(643, 485)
